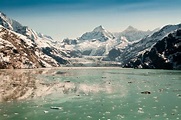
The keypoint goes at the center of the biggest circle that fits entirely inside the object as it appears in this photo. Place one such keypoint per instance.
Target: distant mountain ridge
(133, 34)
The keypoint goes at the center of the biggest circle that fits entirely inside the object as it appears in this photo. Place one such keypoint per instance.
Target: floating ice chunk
(107, 112)
(164, 114)
(16, 113)
(45, 111)
(56, 108)
(179, 95)
(121, 116)
(89, 117)
(174, 110)
(155, 97)
(140, 110)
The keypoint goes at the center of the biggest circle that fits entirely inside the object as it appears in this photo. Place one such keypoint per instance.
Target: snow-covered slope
(45, 52)
(145, 44)
(133, 34)
(165, 54)
(95, 43)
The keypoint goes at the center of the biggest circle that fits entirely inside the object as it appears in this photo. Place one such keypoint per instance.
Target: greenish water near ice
(103, 94)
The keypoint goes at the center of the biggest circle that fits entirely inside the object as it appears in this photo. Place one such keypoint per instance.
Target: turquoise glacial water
(102, 94)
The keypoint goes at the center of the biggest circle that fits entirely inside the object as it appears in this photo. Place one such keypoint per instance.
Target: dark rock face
(165, 54)
(50, 52)
(70, 41)
(114, 53)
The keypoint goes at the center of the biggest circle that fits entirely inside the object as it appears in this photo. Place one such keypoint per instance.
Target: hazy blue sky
(71, 18)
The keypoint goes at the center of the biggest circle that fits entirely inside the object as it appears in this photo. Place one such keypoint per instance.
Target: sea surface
(98, 94)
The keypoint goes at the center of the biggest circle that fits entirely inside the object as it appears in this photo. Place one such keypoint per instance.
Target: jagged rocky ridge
(22, 47)
(165, 54)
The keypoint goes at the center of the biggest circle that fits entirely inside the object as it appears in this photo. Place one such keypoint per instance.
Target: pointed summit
(2, 14)
(133, 34)
(130, 28)
(99, 33)
(99, 28)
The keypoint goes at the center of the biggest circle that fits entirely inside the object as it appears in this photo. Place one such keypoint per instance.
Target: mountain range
(22, 47)
(98, 42)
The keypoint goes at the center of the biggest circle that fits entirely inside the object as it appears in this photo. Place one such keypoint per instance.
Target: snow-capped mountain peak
(9, 23)
(2, 14)
(99, 33)
(99, 29)
(97, 42)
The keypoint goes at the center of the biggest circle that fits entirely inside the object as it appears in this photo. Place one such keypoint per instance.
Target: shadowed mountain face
(165, 54)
